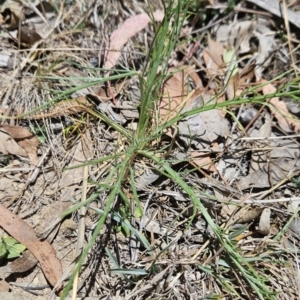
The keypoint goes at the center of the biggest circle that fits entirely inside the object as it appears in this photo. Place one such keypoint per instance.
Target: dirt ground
(70, 89)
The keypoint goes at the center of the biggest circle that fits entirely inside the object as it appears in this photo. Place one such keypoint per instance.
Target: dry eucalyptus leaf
(175, 92)
(24, 138)
(107, 108)
(293, 206)
(287, 148)
(127, 30)
(213, 58)
(239, 34)
(9, 146)
(4, 286)
(285, 119)
(25, 235)
(292, 106)
(147, 178)
(275, 7)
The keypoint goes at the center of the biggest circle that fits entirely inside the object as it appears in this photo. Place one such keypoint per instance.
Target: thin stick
(81, 228)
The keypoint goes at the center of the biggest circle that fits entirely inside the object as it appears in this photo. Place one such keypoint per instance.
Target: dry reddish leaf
(286, 120)
(128, 29)
(24, 138)
(24, 234)
(8, 145)
(213, 58)
(203, 161)
(175, 92)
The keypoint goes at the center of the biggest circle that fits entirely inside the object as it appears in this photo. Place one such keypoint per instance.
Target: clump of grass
(138, 146)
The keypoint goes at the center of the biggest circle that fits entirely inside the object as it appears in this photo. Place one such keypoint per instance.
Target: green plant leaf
(15, 251)
(2, 250)
(13, 248)
(9, 241)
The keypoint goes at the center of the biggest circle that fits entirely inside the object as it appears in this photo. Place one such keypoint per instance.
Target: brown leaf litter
(119, 37)
(239, 161)
(18, 140)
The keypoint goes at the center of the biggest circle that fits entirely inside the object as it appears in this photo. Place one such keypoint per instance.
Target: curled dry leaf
(12, 15)
(24, 234)
(286, 120)
(18, 140)
(127, 30)
(264, 222)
